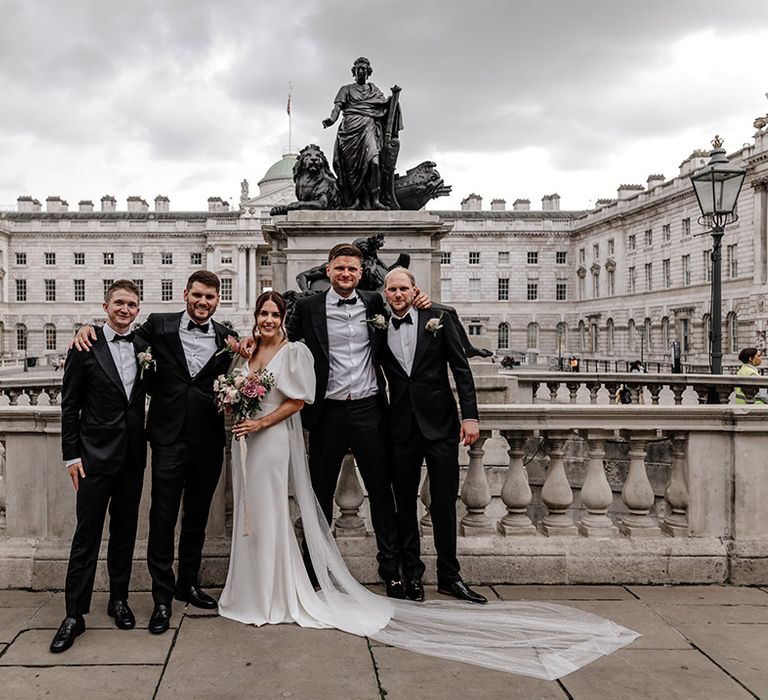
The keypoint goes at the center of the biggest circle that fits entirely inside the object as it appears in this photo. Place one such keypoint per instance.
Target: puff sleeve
(296, 376)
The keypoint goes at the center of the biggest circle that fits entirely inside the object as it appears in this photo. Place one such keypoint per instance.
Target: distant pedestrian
(751, 359)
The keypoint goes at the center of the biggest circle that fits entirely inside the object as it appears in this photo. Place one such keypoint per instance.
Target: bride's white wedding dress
(267, 581)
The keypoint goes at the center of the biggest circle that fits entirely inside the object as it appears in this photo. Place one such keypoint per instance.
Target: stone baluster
(426, 499)
(556, 492)
(676, 493)
(349, 498)
(516, 491)
(655, 390)
(553, 387)
(596, 494)
(637, 493)
(594, 388)
(573, 390)
(677, 391)
(612, 388)
(702, 393)
(534, 390)
(476, 492)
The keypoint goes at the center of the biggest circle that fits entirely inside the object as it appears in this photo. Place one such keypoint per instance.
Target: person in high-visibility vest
(750, 359)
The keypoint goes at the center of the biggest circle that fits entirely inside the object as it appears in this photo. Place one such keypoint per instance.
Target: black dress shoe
(395, 588)
(460, 590)
(64, 638)
(194, 596)
(161, 619)
(414, 589)
(123, 615)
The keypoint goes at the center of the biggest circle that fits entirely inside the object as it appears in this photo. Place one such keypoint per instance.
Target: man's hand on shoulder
(470, 431)
(421, 300)
(84, 338)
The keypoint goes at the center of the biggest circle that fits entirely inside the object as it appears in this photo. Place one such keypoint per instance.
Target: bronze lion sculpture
(316, 185)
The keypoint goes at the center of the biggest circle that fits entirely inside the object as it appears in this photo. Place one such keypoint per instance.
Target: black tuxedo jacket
(99, 423)
(309, 323)
(425, 396)
(182, 406)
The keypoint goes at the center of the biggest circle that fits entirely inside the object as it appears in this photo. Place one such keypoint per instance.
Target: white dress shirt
(402, 341)
(351, 374)
(198, 346)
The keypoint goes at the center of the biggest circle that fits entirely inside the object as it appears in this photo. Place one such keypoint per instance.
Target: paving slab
(649, 674)
(701, 595)
(739, 649)
(92, 648)
(216, 658)
(707, 614)
(62, 683)
(405, 675)
(52, 613)
(23, 599)
(556, 593)
(13, 620)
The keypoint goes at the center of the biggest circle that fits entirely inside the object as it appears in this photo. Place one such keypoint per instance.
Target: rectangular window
(503, 292)
(582, 255)
(595, 286)
(707, 265)
(79, 258)
(686, 265)
(166, 258)
(631, 241)
(561, 257)
(474, 328)
(50, 337)
(79, 290)
(666, 232)
(445, 257)
(611, 246)
(632, 280)
(50, 258)
(266, 285)
(138, 258)
(533, 291)
(533, 257)
(21, 338)
(474, 287)
(50, 290)
(648, 238)
(226, 289)
(596, 251)
(226, 257)
(611, 282)
(503, 257)
(109, 258)
(166, 290)
(648, 277)
(21, 258)
(686, 227)
(140, 285)
(21, 290)
(732, 262)
(666, 268)
(196, 259)
(561, 291)
(107, 284)
(264, 259)
(445, 289)
(474, 257)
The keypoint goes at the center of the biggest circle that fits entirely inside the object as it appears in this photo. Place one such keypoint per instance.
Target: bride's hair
(263, 298)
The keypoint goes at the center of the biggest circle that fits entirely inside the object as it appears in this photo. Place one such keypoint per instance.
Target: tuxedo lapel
(422, 340)
(107, 363)
(137, 348)
(171, 330)
(320, 320)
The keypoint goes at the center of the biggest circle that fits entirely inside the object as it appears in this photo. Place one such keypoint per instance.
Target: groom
(187, 437)
(424, 426)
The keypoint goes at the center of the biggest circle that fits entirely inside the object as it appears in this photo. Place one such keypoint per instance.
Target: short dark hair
(345, 250)
(747, 354)
(206, 277)
(127, 285)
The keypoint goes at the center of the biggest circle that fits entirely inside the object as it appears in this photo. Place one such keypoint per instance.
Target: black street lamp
(717, 186)
(641, 333)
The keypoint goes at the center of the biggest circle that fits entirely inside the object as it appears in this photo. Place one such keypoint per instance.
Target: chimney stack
(628, 191)
(474, 202)
(85, 205)
(108, 203)
(137, 204)
(550, 202)
(498, 205)
(521, 205)
(56, 205)
(162, 203)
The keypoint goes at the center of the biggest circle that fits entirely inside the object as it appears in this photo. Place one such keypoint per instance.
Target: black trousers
(356, 425)
(188, 474)
(442, 458)
(120, 493)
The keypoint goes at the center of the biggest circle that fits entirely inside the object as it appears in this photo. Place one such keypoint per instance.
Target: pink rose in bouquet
(242, 396)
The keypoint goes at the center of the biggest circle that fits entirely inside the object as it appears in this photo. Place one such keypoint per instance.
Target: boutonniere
(231, 345)
(434, 325)
(379, 322)
(146, 361)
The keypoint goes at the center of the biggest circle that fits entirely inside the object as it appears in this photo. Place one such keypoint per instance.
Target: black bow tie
(128, 337)
(202, 327)
(344, 302)
(397, 322)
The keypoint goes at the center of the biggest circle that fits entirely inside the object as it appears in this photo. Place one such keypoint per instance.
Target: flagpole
(290, 91)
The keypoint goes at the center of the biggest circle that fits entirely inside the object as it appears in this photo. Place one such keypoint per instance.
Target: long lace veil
(534, 639)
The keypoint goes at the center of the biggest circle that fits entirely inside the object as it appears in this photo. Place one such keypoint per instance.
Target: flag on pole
(288, 108)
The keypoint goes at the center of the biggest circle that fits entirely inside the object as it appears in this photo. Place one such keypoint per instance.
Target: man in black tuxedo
(344, 328)
(187, 436)
(104, 449)
(424, 425)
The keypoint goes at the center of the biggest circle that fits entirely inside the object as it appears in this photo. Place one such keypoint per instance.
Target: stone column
(349, 498)
(596, 494)
(210, 263)
(637, 492)
(556, 492)
(426, 499)
(516, 491)
(676, 493)
(253, 254)
(476, 492)
(242, 300)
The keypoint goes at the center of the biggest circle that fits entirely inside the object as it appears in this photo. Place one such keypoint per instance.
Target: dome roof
(278, 174)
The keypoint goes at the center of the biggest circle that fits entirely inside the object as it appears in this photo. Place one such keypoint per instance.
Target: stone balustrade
(557, 493)
(31, 391)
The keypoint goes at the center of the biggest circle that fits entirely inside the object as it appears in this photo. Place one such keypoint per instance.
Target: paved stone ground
(698, 642)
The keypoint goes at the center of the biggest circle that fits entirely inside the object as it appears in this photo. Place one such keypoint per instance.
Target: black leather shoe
(395, 588)
(460, 590)
(123, 615)
(414, 589)
(161, 619)
(64, 638)
(194, 596)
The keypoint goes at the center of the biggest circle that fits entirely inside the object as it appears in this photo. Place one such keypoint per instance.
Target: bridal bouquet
(241, 396)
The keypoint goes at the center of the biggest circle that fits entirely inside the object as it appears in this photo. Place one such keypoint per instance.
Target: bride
(267, 582)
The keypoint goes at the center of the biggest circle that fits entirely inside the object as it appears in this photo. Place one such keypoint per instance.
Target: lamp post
(717, 186)
(641, 333)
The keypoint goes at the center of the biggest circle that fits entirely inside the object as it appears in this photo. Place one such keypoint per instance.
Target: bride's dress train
(267, 581)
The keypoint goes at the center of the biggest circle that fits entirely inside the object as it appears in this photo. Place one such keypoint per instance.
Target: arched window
(631, 335)
(582, 336)
(732, 324)
(609, 337)
(561, 336)
(50, 336)
(665, 333)
(21, 336)
(706, 328)
(594, 341)
(533, 335)
(648, 333)
(502, 342)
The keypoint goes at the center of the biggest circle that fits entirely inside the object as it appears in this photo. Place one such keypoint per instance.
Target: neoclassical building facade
(626, 277)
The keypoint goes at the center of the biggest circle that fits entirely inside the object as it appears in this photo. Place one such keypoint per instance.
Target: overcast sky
(512, 99)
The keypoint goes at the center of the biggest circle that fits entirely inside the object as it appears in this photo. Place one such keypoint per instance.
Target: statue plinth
(301, 239)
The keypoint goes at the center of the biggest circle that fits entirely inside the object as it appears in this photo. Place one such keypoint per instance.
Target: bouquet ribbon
(248, 523)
